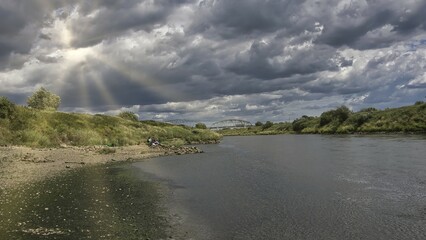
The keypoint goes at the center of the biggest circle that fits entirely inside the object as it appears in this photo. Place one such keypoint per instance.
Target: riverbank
(20, 165)
(83, 193)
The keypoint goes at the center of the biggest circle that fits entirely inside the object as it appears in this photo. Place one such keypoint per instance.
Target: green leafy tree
(301, 123)
(129, 116)
(338, 115)
(7, 108)
(200, 126)
(258, 123)
(368, 110)
(44, 100)
(268, 124)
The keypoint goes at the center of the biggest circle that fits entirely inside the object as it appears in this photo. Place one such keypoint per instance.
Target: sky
(210, 60)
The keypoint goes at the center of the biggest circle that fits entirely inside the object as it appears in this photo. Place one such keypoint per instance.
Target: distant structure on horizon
(186, 122)
(230, 123)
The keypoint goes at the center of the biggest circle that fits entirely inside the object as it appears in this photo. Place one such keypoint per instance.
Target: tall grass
(38, 128)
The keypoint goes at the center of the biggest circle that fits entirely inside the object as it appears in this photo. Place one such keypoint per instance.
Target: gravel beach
(20, 165)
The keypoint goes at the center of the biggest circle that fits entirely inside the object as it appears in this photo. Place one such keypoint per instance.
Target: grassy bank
(408, 119)
(38, 128)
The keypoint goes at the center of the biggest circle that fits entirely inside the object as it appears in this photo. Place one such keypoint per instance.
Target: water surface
(299, 187)
(96, 202)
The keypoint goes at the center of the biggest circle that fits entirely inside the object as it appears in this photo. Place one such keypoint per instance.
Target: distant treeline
(408, 119)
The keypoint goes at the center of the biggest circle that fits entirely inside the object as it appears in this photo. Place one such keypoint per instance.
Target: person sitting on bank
(155, 142)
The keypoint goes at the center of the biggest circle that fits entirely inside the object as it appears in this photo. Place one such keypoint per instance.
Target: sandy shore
(21, 165)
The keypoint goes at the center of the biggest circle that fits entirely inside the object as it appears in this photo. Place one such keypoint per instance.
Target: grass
(38, 128)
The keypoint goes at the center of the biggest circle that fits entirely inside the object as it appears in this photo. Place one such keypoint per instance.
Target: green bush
(370, 110)
(129, 116)
(340, 115)
(7, 108)
(301, 123)
(267, 125)
(258, 124)
(359, 119)
(200, 126)
(44, 100)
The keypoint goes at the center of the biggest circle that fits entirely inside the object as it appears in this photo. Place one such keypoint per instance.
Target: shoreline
(419, 133)
(20, 165)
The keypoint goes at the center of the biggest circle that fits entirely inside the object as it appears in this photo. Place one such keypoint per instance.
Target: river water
(298, 187)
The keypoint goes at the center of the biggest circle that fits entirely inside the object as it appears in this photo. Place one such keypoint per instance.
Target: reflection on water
(89, 203)
(300, 187)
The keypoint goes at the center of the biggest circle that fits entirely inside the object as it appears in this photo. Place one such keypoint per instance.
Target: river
(298, 187)
(258, 187)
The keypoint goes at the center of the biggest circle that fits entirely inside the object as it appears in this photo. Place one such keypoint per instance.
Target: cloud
(214, 59)
(368, 25)
(113, 18)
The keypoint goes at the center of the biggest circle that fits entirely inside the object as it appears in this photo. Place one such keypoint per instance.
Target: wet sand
(20, 165)
(83, 193)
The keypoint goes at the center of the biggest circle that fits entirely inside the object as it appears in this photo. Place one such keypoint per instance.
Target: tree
(302, 123)
(200, 126)
(338, 115)
(7, 108)
(258, 124)
(44, 100)
(268, 124)
(129, 116)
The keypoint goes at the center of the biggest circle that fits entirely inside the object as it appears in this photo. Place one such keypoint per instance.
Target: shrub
(359, 118)
(268, 124)
(129, 116)
(7, 108)
(340, 115)
(200, 126)
(370, 109)
(301, 123)
(44, 100)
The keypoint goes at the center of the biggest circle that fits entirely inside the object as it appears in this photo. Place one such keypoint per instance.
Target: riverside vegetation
(60, 178)
(407, 119)
(35, 127)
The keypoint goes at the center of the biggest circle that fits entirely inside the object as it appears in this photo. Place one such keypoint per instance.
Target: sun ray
(83, 90)
(83, 78)
(136, 76)
(103, 90)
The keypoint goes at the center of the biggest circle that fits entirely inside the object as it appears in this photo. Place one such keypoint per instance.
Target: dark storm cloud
(235, 58)
(19, 26)
(259, 61)
(349, 35)
(21, 20)
(353, 24)
(116, 17)
(230, 19)
(413, 20)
